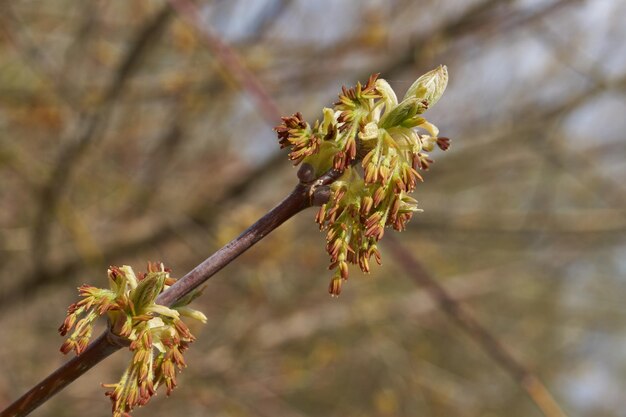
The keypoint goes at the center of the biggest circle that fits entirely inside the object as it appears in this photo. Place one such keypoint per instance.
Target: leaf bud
(429, 86)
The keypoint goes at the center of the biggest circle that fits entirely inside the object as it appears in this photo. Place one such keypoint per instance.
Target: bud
(373, 143)
(343, 269)
(321, 195)
(147, 290)
(429, 86)
(443, 143)
(403, 112)
(428, 142)
(156, 267)
(329, 120)
(430, 128)
(163, 311)
(306, 173)
(367, 202)
(129, 275)
(193, 313)
(137, 322)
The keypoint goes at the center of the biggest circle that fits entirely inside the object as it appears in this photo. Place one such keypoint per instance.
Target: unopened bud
(334, 288)
(321, 195)
(443, 143)
(148, 289)
(429, 86)
(306, 173)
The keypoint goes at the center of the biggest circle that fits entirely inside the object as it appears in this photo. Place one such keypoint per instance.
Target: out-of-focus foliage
(121, 135)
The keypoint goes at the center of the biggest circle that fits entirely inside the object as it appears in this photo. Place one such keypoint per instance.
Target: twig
(156, 165)
(529, 381)
(266, 19)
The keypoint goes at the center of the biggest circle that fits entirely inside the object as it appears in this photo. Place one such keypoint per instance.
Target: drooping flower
(390, 140)
(156, 334)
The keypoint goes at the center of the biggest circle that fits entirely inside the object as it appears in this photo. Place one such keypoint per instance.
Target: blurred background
(128, 135)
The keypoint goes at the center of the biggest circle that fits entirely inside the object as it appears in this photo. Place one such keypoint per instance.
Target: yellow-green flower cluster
(156, 334)
(390, 139)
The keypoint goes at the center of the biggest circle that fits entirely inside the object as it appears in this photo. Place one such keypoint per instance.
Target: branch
(527, 380)
(290, 206)
(107, 343)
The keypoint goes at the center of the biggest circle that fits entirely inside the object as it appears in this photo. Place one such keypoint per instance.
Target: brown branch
(106, 344)
(528, 380)
(294, 203)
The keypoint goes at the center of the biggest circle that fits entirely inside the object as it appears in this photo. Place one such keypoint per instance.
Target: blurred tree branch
(495, 349)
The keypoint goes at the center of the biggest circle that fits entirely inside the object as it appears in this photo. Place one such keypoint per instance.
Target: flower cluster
(156, 333)
(390, 140)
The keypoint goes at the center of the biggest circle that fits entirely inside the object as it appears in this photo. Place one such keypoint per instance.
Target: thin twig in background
(22, 43)
(153, 173)
(494, 348)
(267, 19)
